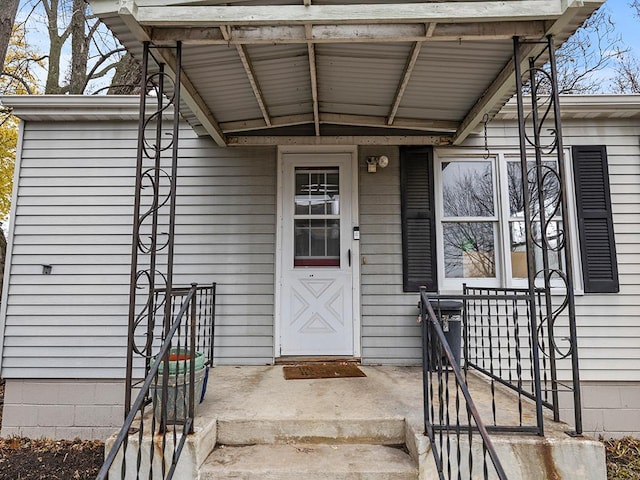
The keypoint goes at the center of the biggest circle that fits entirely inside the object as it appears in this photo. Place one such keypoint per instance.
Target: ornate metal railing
(504, 342)
(544, 202)
(152, 247)
(513, 349)
(460, 442)
(162, 415)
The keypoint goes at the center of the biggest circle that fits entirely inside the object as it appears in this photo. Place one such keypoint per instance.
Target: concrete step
(379, 431)
(309, 462)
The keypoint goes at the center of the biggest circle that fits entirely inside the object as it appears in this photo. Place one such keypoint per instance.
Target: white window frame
(499, 160)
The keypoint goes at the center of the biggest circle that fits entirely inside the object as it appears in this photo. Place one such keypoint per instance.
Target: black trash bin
(449, 313)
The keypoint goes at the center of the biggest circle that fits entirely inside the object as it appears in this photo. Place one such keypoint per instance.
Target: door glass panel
(317, 217)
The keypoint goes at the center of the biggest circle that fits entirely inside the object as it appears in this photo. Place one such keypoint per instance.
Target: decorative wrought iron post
(544, 199)
(152, 246)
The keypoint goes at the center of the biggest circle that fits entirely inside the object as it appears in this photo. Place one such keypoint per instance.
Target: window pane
(317, 242)
(467, 189)
(550, 185)
(333, 193)
(469, 249)
(317, 192)
(302, 235)
(519, 247)
(302, 194)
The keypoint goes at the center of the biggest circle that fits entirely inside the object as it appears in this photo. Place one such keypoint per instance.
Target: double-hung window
(463, 219)
(480, 219)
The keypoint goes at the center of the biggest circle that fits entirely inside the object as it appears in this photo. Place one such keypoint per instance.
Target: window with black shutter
(595, 222)
(418, 219)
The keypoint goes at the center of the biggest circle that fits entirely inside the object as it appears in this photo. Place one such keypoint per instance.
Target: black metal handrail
(445, 389)
(169, 388)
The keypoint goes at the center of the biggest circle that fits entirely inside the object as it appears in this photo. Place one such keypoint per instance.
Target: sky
(627, 25)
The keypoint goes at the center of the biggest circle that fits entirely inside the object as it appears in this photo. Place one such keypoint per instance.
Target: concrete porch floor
(254, 424)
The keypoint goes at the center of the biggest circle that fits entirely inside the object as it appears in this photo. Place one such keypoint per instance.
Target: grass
(623, 458)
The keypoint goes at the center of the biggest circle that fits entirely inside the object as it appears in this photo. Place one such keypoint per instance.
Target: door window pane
(317, 192)
(317, 242)
(317, 217)
(469, 249)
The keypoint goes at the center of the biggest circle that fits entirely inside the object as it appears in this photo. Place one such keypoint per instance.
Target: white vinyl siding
(74, 211)
(390, 333)
(608, 324)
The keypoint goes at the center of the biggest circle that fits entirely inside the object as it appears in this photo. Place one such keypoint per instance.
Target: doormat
(321, 370)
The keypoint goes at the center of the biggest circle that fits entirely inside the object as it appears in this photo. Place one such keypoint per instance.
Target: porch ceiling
(277, 72)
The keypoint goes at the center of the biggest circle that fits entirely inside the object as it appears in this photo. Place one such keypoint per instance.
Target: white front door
(316, 292)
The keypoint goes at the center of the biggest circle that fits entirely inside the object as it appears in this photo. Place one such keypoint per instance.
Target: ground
(25, 459)
(623, 459)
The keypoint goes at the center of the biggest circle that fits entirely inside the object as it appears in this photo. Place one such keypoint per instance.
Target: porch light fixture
(373, 162)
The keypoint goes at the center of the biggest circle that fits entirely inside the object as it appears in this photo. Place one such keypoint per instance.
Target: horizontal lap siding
(74, 211)
(390, 333)
(608, 324)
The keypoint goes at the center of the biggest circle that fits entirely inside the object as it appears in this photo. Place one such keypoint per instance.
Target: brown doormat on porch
(321, 370)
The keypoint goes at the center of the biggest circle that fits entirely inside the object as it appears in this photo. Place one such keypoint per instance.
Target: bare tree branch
(93, 73)
(19, 79)
(594, 47)
(627, 79)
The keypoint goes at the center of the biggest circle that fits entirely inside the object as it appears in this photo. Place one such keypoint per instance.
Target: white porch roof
(277, 72)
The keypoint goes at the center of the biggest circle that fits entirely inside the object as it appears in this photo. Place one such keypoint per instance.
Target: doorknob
(349, 256)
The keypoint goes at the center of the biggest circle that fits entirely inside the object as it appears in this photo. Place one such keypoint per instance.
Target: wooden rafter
(432, 32)
(503, 82)
(444, 12)
(251, 76)
(245, 141)
(313, 73)
(258, 123)
(188, 92)
(404, 81)
(445, 126)
(382, 122)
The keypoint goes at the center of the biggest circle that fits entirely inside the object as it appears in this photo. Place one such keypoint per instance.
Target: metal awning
(332, 72)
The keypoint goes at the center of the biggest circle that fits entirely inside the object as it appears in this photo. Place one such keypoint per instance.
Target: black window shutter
(595, 222)
(418, 219)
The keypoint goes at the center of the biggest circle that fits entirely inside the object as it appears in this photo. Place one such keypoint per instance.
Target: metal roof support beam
(425, 12)
(402, 86)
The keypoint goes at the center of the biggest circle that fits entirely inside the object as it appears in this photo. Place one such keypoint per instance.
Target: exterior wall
(390, 332)
(609, 409)
(74, 211)
(608, 324)
(69, 408)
